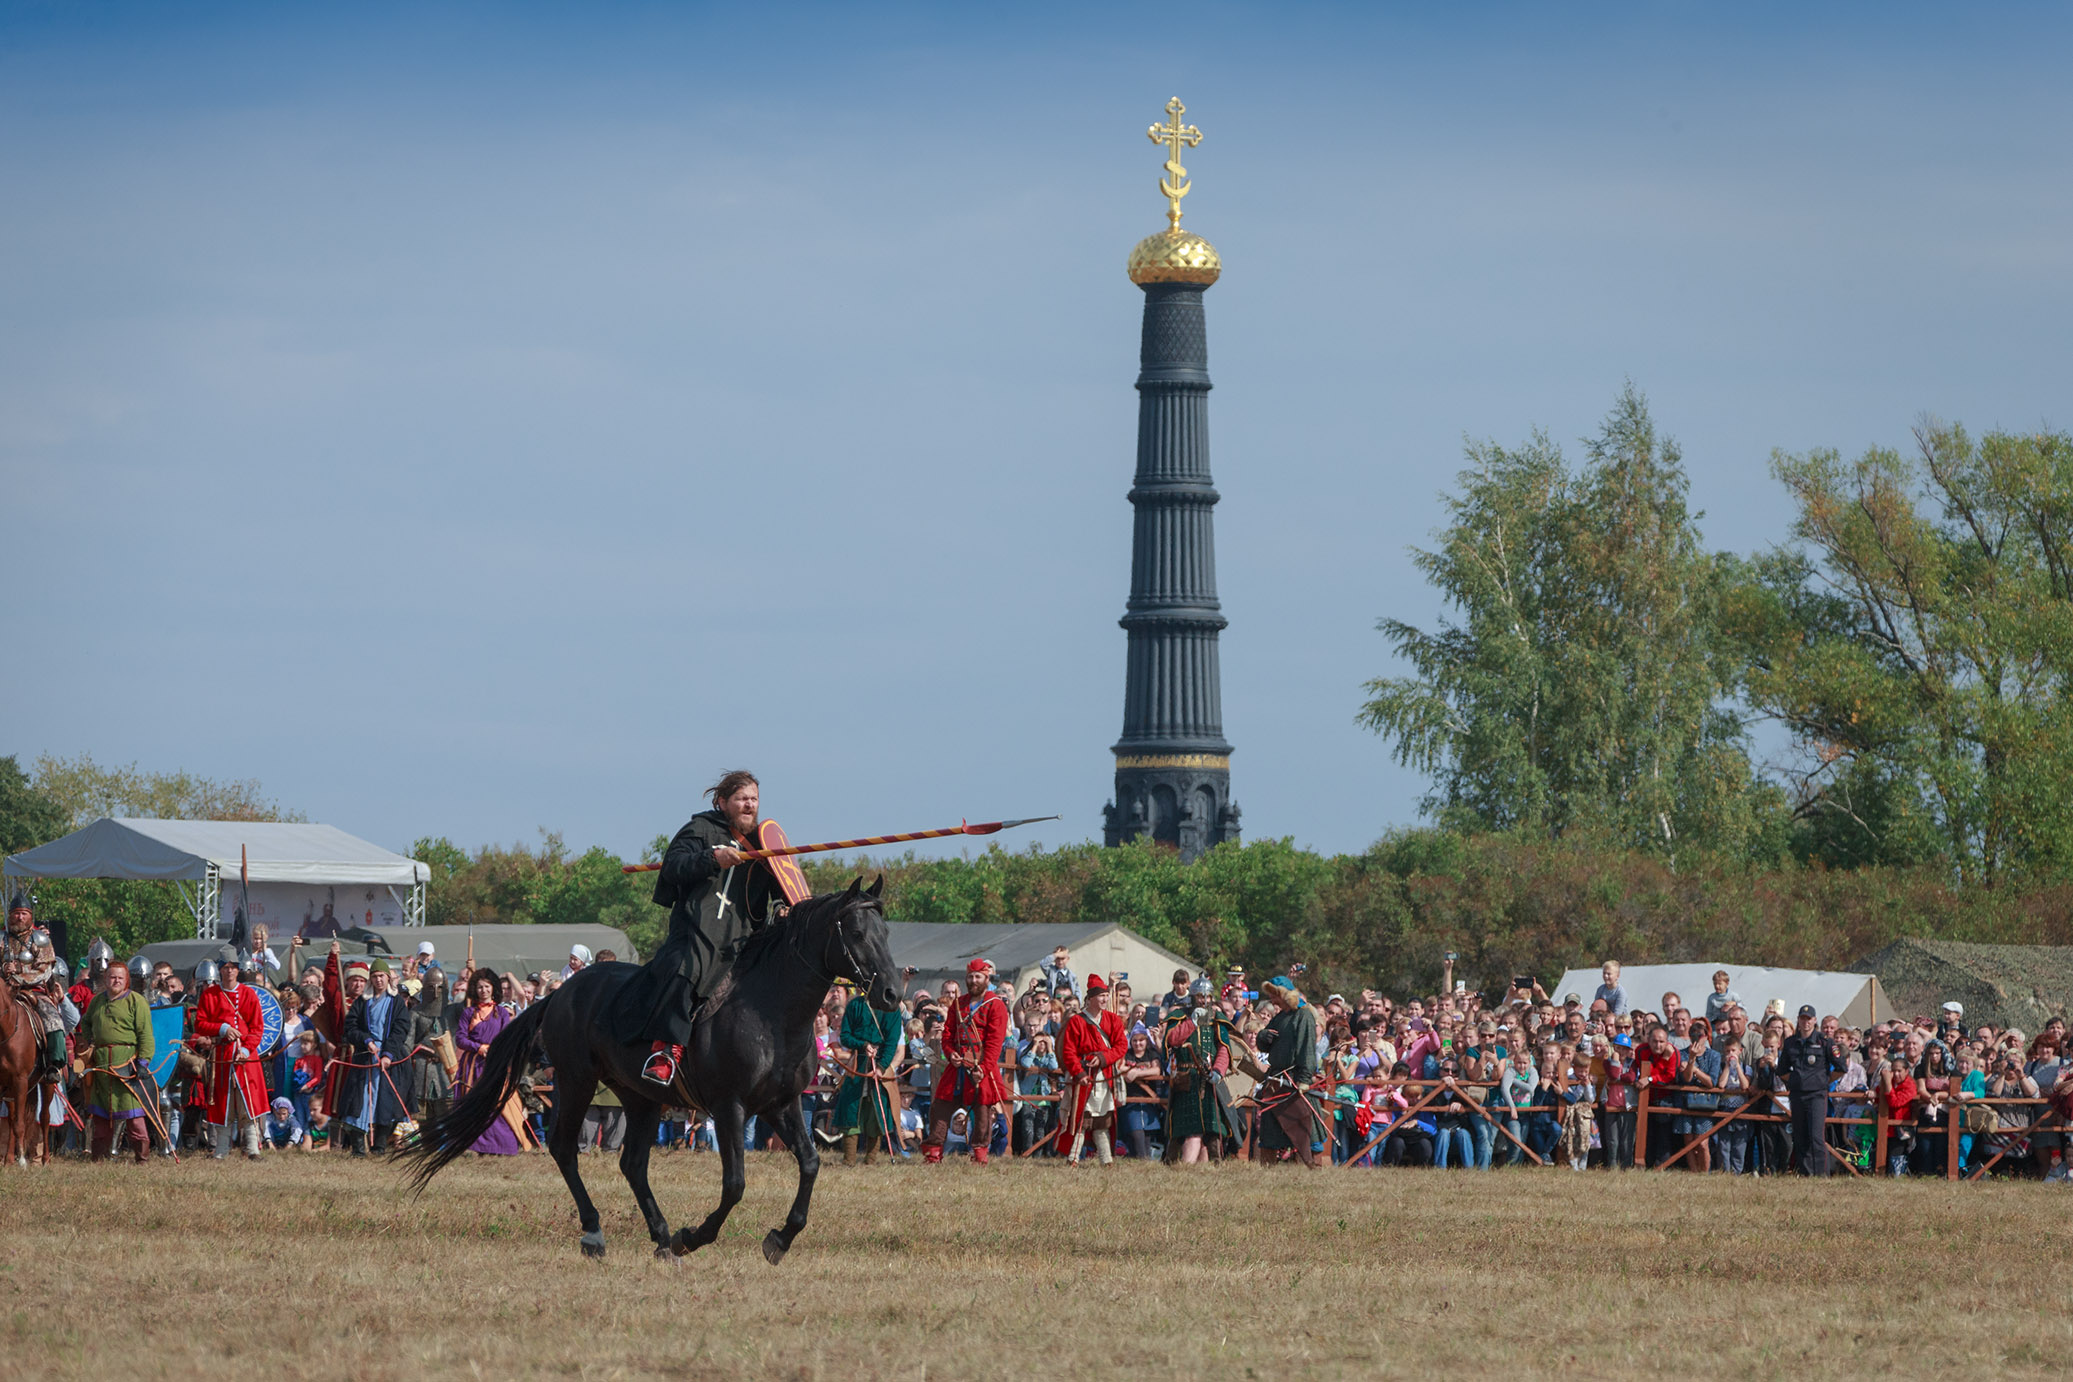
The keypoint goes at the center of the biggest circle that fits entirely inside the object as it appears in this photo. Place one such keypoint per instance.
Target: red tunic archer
(973, 1034)
(1091, 1044)
(235, 1012)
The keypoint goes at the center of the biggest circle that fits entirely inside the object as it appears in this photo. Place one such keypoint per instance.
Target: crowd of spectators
(1453, 1079)
(1527, 1077)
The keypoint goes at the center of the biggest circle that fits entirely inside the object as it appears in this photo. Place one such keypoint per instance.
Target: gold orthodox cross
(1173, 134)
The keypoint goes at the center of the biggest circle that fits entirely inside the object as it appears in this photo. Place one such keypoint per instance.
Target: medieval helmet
(60, 970)
(21, 902)
(140, 970)
(1201, 990)
(99, 956)
(205, 972)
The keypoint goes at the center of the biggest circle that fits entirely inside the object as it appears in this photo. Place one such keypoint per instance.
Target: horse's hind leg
(641, 1121)
(792, 1123)
(572, 1101)
(727, 1124)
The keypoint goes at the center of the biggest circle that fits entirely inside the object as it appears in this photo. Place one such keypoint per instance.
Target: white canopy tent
(1855, 998)
(200, 856)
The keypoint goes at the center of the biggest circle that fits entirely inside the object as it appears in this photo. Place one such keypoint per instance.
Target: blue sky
(466, 420)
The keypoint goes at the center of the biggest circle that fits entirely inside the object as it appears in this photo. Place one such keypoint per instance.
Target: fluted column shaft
(1172, 762)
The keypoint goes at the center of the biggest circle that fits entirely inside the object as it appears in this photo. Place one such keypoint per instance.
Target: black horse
(752, 1052)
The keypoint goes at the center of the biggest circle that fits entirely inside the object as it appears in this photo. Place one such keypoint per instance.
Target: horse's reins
(849, 957)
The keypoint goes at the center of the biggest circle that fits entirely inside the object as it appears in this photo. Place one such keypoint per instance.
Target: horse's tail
(444, 1140)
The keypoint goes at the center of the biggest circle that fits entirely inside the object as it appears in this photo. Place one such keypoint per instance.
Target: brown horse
(21, 1033)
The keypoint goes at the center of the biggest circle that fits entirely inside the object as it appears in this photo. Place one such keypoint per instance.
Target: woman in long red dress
(480, 1021)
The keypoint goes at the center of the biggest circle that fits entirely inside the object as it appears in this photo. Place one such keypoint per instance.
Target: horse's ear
(855, 884)
(877, 886)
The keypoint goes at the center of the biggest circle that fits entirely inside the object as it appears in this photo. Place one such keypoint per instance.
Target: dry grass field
(1032, 1269)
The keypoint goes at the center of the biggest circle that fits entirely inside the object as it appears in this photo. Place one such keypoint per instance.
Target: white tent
(200, 856)
(1855, 998)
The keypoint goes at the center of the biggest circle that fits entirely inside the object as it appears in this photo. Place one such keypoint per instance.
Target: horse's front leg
(727, 1125)
(792, 1124)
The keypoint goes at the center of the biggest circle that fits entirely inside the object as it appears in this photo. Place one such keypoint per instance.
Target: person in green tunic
(1290, 1119)
(117, 1026)
(865, 1109)
(1202, 1047)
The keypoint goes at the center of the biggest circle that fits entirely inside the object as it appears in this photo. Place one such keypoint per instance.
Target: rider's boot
(662, 1063)
(849, 1149)
(933, 1153)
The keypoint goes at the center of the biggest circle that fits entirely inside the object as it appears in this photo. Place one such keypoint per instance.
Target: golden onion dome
(1174, 256)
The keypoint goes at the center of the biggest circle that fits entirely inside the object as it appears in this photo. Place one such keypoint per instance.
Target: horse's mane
(774, 938)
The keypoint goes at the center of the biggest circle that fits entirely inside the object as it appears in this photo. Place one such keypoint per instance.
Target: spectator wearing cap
(1809, 1060)
(1950, 1026)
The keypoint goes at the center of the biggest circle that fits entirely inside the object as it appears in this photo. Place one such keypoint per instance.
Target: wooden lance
(983, 828)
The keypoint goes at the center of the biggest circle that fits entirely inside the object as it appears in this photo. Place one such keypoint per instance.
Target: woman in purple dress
(480, 1021)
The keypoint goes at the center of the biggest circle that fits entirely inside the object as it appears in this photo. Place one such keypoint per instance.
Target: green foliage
(1587, 683)
(127, 914)
(85, 791)
(28, 817)
(515, 884)
(1917, 645)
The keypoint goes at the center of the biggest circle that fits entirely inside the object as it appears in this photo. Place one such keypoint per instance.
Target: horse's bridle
(849, 956)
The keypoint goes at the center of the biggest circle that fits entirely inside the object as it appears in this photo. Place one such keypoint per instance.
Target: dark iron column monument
(1173, 766)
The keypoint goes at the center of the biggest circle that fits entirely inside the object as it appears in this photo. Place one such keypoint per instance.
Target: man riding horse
(717, 900)
(30, 961)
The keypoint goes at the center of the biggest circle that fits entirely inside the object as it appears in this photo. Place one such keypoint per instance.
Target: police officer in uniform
(1810, 1061)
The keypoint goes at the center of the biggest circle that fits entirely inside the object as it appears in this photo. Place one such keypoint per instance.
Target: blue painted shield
(168, 1025)
(269, 1020)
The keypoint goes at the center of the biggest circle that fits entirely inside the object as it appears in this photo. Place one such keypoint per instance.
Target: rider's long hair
(444, 1140)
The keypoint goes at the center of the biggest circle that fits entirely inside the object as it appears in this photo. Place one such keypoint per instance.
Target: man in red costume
(973, 1032)
(227, 1019)
(1091, 1046)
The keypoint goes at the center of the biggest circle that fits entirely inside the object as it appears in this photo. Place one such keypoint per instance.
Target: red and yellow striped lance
(867, 841)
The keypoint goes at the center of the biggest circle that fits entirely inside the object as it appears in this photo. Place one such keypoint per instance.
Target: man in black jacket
(1289, 1116)
(715, 904)
(1810, 1060)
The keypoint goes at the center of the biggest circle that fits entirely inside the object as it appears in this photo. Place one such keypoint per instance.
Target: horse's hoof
(681, 1243)
(665, 1253)
(774, 1247)
(593, 1244)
